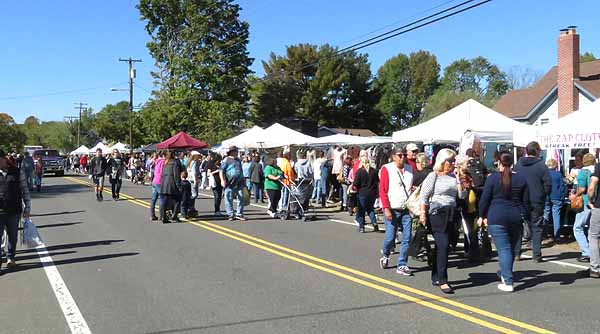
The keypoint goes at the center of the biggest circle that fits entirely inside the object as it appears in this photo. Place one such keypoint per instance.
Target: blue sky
(70, 48)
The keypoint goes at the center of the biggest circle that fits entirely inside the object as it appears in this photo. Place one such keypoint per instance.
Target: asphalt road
(128, 275)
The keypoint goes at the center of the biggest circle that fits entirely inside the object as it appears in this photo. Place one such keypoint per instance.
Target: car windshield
(46, 153)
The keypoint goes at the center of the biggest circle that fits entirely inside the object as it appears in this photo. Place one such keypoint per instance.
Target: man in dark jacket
(533, 168)
(14, 194)
(170, 188)
(98, 171)
(256, 177)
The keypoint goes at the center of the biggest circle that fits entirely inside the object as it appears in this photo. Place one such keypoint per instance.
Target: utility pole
(80, 106)
(130, 61)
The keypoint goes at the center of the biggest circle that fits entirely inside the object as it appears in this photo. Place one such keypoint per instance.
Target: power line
(407, 25)
(19, 97)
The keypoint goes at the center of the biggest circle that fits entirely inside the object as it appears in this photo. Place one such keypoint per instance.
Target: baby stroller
(140, 176)
(299, 195)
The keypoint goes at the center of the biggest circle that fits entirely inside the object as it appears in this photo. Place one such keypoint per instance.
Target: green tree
(199, 48)
(112, 124)
(476, 75)
(405, 83)
(12, 138)
(587, 56)
(315, 83)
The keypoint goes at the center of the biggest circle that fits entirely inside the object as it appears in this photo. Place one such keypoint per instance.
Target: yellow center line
(251, 240)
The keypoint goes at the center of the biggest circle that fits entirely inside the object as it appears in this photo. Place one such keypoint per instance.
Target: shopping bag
(246, 196)
(484, 244)
(31, 237)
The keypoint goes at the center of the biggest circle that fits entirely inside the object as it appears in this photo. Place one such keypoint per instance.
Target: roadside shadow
(56, 213)
(29, 266)
(58, 225)
(73, 245)
(283, 317)
(523, 279)
(36, 256)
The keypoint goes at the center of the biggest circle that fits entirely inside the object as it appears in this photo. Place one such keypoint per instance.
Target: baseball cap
(232, 148)
(194, 153)
(412, 147)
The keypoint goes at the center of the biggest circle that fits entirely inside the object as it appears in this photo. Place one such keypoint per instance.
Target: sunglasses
(451, 161)
(401, 155)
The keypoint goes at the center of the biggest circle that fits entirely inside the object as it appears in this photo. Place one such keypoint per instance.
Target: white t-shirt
(338, 161)
(317, 164)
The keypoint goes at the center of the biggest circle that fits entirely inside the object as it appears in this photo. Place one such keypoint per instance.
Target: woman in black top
(367, 183)
(170, 187)
(503, 206)
(423, 169)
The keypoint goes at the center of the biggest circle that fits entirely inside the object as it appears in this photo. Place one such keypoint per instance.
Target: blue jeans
(507, 239)
(316, 195)
(154, 199)
(400, 219)
(10, 223)
(365, 205)
(344, 195)
(249, 185)
(580, 220)
(230, 195)
(283, 203)
(258, 192)
(554, 207)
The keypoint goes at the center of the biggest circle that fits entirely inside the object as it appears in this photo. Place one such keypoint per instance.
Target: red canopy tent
(182, 141)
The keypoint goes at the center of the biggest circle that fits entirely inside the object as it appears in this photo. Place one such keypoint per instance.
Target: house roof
(356, 132)
(519, 103)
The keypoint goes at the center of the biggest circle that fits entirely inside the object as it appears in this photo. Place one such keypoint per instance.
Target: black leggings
(218, 195)
(115, 186)
(441, 223)
(274, 197)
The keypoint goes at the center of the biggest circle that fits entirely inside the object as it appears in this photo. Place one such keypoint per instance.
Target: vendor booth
(182, 141)
(451, 126)
(578, 130)
(105, 149)
(81, 150)
(122, 148)
(248, 139)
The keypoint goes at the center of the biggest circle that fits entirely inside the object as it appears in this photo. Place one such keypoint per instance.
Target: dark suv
(52, 161)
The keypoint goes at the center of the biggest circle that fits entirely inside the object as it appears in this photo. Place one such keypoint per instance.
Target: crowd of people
(444, 195)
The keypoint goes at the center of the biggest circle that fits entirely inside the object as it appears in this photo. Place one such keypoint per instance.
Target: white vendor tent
(450, 126)
(105, 149)
(278, 135)
(120, 147)
(81, 150)
(248, 139)
(580, 129)
(342, 139)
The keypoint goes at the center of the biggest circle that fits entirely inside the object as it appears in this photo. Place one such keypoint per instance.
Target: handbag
(413, 203)
(246, 196)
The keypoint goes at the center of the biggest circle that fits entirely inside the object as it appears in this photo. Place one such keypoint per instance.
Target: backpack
(477, 172)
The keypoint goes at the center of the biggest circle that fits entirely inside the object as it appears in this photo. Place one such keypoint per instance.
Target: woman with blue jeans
(502, 207)
(556, 199)
(581, 219)
(345, 183)
(367, 184)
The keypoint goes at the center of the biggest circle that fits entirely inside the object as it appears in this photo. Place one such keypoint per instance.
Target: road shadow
(523, 279)
(283, 317)
(54, 190)
(55, 213)
(58, 225)
(73, 245)
(29, 266)
(36, 256)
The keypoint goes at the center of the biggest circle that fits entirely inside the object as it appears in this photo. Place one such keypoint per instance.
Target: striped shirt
(445, 192)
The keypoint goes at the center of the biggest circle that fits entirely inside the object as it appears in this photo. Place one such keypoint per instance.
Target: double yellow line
(424, 298)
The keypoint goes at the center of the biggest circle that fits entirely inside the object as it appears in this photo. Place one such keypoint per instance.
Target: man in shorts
(98, 171)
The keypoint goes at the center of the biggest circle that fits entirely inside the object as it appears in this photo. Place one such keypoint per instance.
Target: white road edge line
(74, 318)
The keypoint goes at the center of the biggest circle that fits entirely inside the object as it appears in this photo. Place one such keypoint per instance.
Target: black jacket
(186, 193)
(538, 179)
(170, 184)
(367, 182)
(98, 166)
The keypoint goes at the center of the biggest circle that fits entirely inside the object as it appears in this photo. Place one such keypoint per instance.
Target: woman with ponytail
(503, 206)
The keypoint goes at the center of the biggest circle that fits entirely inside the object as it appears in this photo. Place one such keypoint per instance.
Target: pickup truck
(52, 161)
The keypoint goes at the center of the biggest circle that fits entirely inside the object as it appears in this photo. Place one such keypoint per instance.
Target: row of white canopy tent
(579, 129)
(105, 149)
(468, 117)
(278, 135)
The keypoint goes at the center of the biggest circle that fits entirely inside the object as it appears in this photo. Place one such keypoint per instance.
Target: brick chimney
(568, 71)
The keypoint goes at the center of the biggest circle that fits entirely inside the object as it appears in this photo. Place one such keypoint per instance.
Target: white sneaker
(505, 287)
(271, 213)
